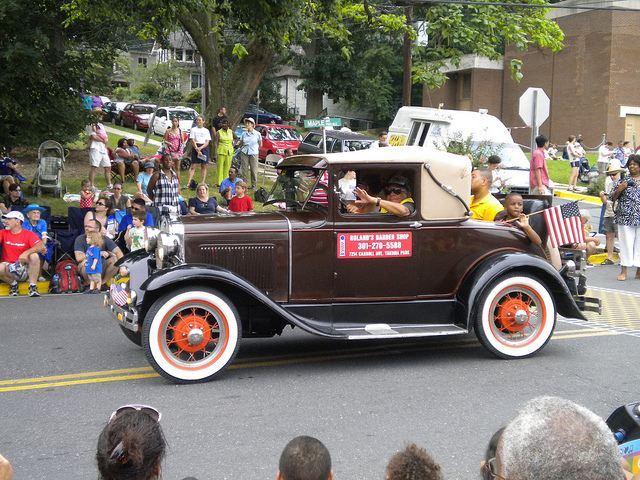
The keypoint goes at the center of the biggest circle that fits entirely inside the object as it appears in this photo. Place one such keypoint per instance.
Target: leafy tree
(44, 67)
(461, 145)
(457, 30)
(371, 78)
(195, 96)
(238, 39)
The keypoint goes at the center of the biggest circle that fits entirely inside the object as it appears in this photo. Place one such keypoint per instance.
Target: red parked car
(136, 115)
(275, 138)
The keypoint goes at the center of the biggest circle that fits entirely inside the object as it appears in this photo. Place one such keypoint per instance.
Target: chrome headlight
(168, 245)
(152, 238)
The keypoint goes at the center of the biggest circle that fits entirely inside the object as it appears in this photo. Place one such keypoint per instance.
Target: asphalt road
(66, 367)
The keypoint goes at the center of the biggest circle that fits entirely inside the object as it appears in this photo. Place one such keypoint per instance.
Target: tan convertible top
(453, 171)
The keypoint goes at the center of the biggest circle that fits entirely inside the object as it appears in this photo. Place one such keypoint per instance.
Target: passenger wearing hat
(250, 144)
(397, 199)
(20, 248)
(97, 144)
(37, 225)
(143, 181)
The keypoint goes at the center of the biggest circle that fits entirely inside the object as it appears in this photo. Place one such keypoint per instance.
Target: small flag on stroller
(564, 224)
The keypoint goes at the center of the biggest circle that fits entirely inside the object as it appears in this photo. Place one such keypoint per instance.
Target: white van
(435, 128)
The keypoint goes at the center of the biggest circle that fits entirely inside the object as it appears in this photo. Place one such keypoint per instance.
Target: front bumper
(127, 316)
(121, 304)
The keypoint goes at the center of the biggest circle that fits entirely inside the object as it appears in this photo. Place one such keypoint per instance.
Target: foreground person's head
(132, 445)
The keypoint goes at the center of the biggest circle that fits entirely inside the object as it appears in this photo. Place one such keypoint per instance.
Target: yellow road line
(75, 375)
(273, 361)
(77, 382)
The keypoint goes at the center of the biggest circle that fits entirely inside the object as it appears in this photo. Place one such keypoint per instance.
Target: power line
(525, 5)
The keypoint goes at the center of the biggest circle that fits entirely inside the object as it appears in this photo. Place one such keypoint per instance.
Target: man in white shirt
(604, 154)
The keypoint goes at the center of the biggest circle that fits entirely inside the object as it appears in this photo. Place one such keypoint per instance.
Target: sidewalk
(560, 191)
(136, 136)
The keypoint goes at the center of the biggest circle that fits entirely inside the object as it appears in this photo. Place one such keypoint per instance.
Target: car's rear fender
(483, 274)
(261, 316)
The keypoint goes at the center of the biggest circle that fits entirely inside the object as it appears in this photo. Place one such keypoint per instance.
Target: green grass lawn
(77, 170)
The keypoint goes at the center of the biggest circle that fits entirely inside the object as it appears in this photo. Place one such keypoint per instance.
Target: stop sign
(542, 103)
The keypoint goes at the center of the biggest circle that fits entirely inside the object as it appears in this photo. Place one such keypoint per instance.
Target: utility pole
(408, 47)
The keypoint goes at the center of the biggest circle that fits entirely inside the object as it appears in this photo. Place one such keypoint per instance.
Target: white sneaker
(109, 187)
(41, 279)
(94, 189)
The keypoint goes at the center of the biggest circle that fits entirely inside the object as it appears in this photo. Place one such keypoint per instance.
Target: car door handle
(416, 225)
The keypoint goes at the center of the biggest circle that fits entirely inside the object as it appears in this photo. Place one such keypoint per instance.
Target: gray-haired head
(555, 439)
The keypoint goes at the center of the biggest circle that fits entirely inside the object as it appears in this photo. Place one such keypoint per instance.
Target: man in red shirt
(20, 259)
(538, 174)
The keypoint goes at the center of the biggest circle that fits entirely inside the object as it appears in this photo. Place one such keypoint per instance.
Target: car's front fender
(213, 276)
(486, 271)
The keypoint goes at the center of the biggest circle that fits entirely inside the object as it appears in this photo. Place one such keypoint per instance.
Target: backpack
(565, 153)
(261, 195)
(69, 281)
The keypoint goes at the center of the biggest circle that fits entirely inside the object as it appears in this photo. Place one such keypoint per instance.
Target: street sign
(534, 100)
(534, 110)
(323, 122)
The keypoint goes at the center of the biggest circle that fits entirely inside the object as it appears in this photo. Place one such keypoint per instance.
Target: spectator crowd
(549, 438)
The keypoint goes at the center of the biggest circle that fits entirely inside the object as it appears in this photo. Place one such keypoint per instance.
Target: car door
(376, 256)
(160, 121)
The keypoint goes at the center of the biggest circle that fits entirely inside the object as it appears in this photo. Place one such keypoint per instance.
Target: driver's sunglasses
(395, 190)
(152, 412)
(490, 467)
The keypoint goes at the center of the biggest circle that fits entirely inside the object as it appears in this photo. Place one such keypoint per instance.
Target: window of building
(142, 62)
(178, 54)
(189, 56)
(196, 81)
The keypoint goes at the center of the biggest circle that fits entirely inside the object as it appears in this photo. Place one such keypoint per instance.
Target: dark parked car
(337, 141)
(260, 115)
(206, 281)
(112, 111)
(136, 115)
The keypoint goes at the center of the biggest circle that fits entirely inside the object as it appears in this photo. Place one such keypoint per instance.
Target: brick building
(592, 82)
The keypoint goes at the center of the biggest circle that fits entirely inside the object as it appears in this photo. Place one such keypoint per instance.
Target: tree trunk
(314, 96)
(235, 92)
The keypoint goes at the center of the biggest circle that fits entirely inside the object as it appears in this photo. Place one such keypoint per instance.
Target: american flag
(119, 293)
(564, 224)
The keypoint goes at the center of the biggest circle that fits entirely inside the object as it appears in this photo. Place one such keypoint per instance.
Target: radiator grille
(255, 263)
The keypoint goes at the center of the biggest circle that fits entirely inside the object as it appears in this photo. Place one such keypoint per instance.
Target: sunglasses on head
(396, 190)
(152, 412)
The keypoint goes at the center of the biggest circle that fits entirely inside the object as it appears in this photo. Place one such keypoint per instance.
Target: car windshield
(353, 145)
(182, 115)
(512, 156)
(298, 185)
(143, 110)
(283, 134)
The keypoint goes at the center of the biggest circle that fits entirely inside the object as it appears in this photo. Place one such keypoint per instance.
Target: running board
(382, 330)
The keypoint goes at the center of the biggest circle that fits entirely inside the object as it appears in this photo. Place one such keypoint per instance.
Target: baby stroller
(584, 171)
(48, 176)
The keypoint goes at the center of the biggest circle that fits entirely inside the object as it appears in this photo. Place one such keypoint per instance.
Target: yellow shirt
(486, 208)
